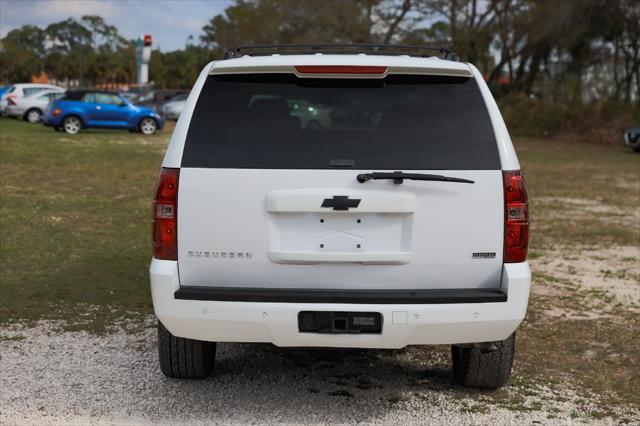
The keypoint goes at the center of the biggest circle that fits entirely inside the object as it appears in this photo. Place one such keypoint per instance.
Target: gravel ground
(48, 376)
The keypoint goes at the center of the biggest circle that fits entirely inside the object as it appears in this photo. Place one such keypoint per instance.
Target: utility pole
(81, 80)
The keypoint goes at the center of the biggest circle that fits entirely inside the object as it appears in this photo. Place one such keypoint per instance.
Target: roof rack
(339, 48)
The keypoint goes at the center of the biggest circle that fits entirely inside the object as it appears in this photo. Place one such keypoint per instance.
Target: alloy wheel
(148, 126)
(33, 116)
(72, 125)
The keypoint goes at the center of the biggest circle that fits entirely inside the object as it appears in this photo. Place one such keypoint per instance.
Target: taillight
(10, 100)
(516, 229)
(56, 112)
(165, 216)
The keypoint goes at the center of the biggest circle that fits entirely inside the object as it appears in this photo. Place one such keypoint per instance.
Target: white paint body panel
(415, 235)
(277, 322)
(402, 245)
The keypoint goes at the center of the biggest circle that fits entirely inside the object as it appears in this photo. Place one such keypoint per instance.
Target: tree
(27, 37)
(21, 54)
(290, 21)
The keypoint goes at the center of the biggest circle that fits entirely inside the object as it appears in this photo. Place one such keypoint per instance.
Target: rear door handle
(98, 107)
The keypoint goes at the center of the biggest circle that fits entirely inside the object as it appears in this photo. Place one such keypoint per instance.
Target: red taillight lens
(165, 216)
(516, 210)
(56, 112)
(10, 100)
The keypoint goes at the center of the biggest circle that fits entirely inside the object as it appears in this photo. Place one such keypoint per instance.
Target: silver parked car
(172, 109)
(31, 107)
(17, 91)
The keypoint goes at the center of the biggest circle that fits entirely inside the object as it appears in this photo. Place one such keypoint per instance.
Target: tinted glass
(180, 97)
(73, 96)
(31, 90)
(108, 98)
(397, 123)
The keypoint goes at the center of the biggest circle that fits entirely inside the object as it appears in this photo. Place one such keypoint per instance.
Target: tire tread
(489, 370)
(184, 358)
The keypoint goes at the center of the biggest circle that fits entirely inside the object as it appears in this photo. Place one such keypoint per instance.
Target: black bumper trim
(286, 295)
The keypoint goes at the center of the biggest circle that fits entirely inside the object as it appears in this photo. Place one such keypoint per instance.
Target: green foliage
(69, 34)
(28, 37)
(17, 64)
(599, 122)
(290, 21)
(180, 68)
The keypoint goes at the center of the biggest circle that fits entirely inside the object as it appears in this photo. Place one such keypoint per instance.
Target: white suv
(400, 220)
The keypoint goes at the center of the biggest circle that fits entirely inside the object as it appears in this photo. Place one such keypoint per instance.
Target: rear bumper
(403, 323)
(11, 111)
(49, 120)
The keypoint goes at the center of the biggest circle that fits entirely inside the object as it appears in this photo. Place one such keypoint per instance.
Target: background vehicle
(171, 109)
(4, 89)
(23, 89)
(632, 138)
(80, 109)
(3, 102)
(157, 98)
(404, 225)
(129, 95)
(312, 116)
(31, 107)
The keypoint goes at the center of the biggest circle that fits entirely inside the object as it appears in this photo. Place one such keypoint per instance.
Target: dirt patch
(611, 273)
(570, 209)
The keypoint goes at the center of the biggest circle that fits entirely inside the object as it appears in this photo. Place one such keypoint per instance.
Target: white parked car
(408, 226)
(172, 109)
(23, 89)
(31, 107)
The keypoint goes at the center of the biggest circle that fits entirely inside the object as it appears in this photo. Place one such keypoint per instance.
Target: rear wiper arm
(398, 177)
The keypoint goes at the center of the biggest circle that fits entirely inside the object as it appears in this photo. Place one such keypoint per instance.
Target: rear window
(401, 122)
(31, 90)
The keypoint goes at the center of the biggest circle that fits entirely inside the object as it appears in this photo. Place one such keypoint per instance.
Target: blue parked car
(84, 109)
(4, 89)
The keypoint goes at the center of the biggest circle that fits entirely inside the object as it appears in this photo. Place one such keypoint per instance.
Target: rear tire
(33, 116)
(182, 358)
(477, 369)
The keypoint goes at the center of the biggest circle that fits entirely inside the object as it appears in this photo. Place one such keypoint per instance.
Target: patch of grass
(75, 220)
(556, 171)
(556, 348)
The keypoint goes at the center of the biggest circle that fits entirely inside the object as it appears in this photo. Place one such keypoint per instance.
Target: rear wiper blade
(398, 177)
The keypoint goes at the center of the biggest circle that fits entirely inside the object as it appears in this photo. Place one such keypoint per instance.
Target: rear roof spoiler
(340, 48)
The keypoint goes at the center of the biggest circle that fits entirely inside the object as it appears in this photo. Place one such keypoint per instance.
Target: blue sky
(170, 22)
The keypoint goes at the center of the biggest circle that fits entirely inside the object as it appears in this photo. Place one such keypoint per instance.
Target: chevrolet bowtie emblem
(340, 202)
